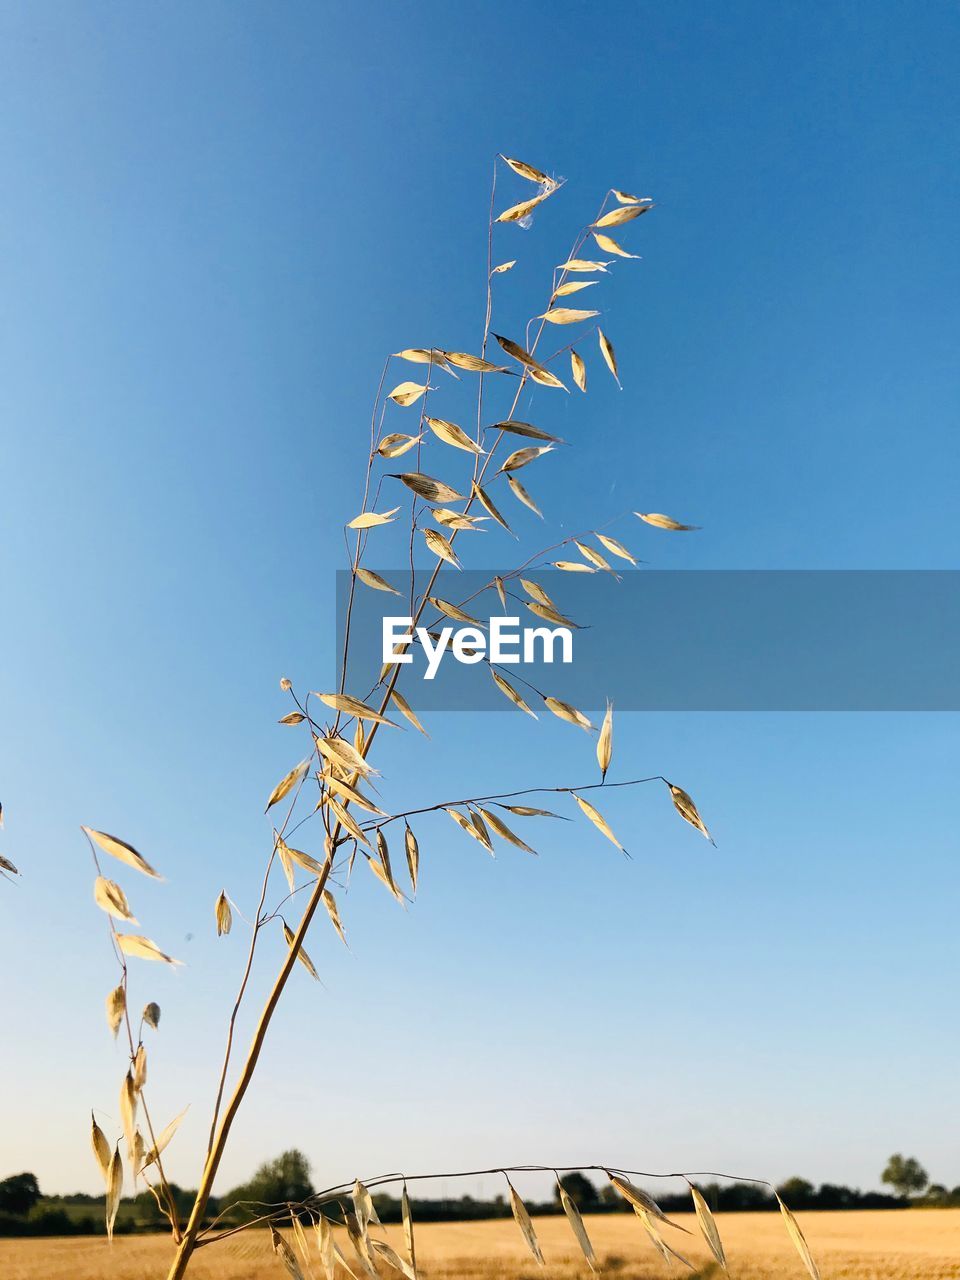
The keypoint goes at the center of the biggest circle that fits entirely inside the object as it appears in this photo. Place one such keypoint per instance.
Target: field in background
(870, 1245)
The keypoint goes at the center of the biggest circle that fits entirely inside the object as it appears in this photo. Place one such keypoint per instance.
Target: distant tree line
(25, 1211)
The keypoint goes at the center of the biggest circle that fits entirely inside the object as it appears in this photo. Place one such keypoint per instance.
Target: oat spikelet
(708, 1226)
(605, 741)
(609, 355)
(396, 444)
(110, 898)
(374, 580)
(507, 688)
(688, 811)
(799, 1241)
(405, 709)
(116, 1008)
(118, 848)
(353, 707)
(302, 956)
(599, 822)
(287, 783)
(114, 1191)
(577, 1227)
(372, 519)
(524, 1223)
(412, 850)
(579, 370)
(330, 902)
(407, 393)
(408, 1237)
(134, 944)
(660, 521)
(224, 915)
(285, 1253)
(453, 435)
(151, 1015)
(101, 1148)
(566, 712)
(163, 1140)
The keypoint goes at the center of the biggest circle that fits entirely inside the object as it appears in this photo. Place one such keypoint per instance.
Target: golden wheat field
(875, 1245)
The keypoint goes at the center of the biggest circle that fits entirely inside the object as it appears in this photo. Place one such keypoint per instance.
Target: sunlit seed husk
(116, 1008)
(617, 548)
(708, 1227)
(163, 1140)
(507, 688)
(412, 850)
(666, 1251)
(396, 444)
(325, 1247)
(605, 741)
(500, 828)
(609, 245)
(598, 821)
(128, 1109)
(114, 1191)
(347, 821)
(405, 709)
(304, 860)
(523, 1221)
(101, 1148)
(527, 811)
(487, 503)
(133, 944)
(300, 1236)
(625, 198)
(519, 353)
(609, 355)
(454, 611)
(579, 370)
(520, 492)
(577, 1227)
(522, 457)
(374, 580)
(566, 315)
(504, 266)
(501, 591)
(473, 364)
(289, 937)
(286, 862)
(223, 914)
(458, 520)
(383, 853)
(353, 707)
(151, 1015)
(420, 355)
(292, 717)
(440, 546)
(688, 810)
(408, 1236)
(428, 488)
(356, 797)
(799, 1241)
(536, 592)
(140, 1068)
(566, 712)
(7, 865)
(660, 521)
(594, 557)
(574, 286)
(466, 825)
(640, 1199)
(287, 783)
(582, 264)
(108, 895)
(551, 614)
(370, 519)
(342, 753)
(525, 429)
(517, 212)
(544, 378)
(573, 566)
(451, 434)
(527, 171)
(408, 393)
(119, 849)
(392, 1258)
(385, 878)
(363, 1206)
(285, 1253)
(617, 217)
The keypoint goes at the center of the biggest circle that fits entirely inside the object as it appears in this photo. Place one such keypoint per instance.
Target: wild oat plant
(476, 480)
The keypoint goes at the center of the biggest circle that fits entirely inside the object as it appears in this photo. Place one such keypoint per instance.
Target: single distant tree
(287, 1178)
(580, 1190)
(906, 1175)
(797, 1192)
(19, 1194)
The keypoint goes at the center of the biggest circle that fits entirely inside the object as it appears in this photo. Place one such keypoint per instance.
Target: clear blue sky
(218, 218)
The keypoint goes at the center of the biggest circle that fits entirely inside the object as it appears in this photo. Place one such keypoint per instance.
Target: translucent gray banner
(712, 640)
